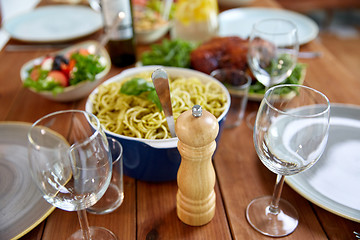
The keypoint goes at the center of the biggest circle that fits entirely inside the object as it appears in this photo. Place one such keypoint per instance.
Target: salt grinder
(195, 199)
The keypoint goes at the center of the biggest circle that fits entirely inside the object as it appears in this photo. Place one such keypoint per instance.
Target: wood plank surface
(157, 218)
(233, 160)
(242, 177)
(344, 48)
(149, 209)
(330, 76)
(122, 222)
(310, 5)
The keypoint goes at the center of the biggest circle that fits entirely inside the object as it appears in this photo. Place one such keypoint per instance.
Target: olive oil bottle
(121, 45)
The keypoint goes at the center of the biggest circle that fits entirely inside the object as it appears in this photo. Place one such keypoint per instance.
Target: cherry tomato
(35, 73)
(59, 77)
(67, 68)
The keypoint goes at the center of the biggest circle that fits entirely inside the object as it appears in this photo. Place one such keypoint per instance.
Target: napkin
(10, 8)
(4, 38)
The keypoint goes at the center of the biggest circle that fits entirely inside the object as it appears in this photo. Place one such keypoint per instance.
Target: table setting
(83, 127)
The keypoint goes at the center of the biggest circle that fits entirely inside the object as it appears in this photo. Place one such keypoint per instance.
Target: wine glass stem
(274, 205)
(84, 224)
(269, 85)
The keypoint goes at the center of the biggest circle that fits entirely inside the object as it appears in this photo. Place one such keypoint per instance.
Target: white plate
(22, 207)
(239, 22)
(54, 23)
(333, 182)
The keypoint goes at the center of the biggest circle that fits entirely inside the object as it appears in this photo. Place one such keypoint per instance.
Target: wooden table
(148, 211)
(311, 5)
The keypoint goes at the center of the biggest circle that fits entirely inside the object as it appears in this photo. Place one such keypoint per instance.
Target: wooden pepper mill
(195, 199)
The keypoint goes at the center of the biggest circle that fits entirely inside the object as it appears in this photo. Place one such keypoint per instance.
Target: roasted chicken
(220, 52)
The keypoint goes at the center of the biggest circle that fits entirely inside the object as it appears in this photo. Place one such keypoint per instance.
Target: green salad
(55, 73)
(295, 78)
(175, 53)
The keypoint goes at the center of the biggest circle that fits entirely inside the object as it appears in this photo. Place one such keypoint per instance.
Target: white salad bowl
(150, 26)
(152, 35)
(80, 90)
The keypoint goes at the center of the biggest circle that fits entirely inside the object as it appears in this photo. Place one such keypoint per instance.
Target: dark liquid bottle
(121, 46)
(122, 52)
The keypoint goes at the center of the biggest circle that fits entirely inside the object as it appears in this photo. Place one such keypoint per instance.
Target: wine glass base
(250, 120)
(108, 203)
(96, 233)
(271, 224)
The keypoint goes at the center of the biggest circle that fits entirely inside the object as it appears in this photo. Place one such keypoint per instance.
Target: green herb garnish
(158, 6)
(279, 66)
(137, 86)
(294, 78)
(87, 66)
(175, 53)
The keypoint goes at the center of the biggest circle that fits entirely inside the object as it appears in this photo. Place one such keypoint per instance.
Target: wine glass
(71, 164)
(290, 135)
(272, 53)
(114, 195)
(273, 50)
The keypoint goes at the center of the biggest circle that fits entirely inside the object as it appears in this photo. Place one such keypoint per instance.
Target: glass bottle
(121, 45)
(195, 20)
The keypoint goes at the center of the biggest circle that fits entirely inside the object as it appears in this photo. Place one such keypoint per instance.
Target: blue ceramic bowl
(154, 160)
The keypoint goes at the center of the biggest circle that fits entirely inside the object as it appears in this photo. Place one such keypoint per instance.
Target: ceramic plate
(54, 23)
(333, 182)
(22, 207)
(239, 22)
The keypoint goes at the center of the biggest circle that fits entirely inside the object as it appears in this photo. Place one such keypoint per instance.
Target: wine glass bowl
(290, 138)
(71, 164)
(290, 135)
(273, 50)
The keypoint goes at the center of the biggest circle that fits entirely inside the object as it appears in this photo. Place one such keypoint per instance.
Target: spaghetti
(135, 116)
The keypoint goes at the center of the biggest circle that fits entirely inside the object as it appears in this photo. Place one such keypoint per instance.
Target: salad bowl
(150, 25)
(64, 90)
(152, 35)
(154, 160)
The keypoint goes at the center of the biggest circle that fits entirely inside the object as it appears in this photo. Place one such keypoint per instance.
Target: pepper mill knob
(195, 199)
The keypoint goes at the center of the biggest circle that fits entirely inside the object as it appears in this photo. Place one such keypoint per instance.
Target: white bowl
(151, 35)
(79, 90)
(150, 26)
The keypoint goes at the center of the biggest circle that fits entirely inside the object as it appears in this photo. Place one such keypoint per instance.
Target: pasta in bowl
(150, 153)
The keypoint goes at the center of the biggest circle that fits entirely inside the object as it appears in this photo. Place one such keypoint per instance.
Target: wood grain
(149, 209)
